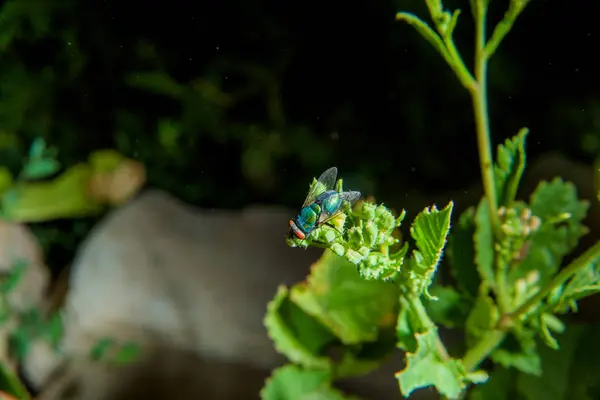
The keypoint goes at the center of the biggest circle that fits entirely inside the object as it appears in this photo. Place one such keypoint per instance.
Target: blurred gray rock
(192, 287)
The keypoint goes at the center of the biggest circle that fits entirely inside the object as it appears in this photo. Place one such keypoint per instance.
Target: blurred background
(233, 103)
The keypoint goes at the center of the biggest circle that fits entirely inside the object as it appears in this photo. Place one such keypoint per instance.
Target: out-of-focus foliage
(251, 89)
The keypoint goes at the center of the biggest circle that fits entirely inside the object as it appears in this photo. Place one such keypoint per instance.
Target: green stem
(480, 109)
(488, 343)
(493, 338)
(426, 322)
(482, 126)
(587, 258)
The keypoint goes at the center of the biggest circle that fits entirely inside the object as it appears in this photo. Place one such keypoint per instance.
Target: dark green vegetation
(276, 92)
(511, 289)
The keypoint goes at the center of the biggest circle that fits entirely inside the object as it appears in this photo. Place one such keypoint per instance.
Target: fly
(322, 204)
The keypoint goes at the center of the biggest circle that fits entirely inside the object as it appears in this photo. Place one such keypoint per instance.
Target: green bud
(384, 219)
(354, 256)
(337, 249)
(376, 266)
(370, 234)
(367, 211)
(355, 237)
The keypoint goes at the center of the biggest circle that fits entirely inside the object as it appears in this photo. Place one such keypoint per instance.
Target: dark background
(268, 94)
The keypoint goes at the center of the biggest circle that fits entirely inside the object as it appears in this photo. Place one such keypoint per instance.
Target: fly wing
(349, 199)
(325, 182)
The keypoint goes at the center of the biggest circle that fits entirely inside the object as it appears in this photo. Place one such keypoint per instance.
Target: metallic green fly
(322, 204)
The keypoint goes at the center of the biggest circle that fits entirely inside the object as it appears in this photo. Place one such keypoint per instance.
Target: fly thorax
(308, 216)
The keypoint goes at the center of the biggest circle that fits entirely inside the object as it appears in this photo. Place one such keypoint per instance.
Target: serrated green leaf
(429, 230)
(510, 164)
(450, 309)
(484, 243)
(585, 282)
(294, 334)
(553, 199)
(561, 212)
(291, 382)
(352, 308)
(426, 368)
(462, 253)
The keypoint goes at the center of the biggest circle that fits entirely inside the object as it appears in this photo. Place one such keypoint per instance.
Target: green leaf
(100, 350)
(10, 384)
(484, 244)
(40, 168)
(294, 334)
(37, 148)
(53, 330)
(520, 351)
(572, 372)
(128, 353)
(510, 164)
(352, 308)
(561, 212)
(462, 253)
(429, 230)
(426, 32)
(291, 382)
(585, 282)
(426, 368)
(14, 277)
(450, 309)
(41, 162)
(554, 382)
(555, 199)
(19, 342)
(361, 360)
(548, 322)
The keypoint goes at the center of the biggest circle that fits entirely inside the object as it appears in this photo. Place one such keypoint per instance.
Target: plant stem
(482, 126)
(587, 258)
(494, 337)
(480, 109)
(488, 343)
(424, 319)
